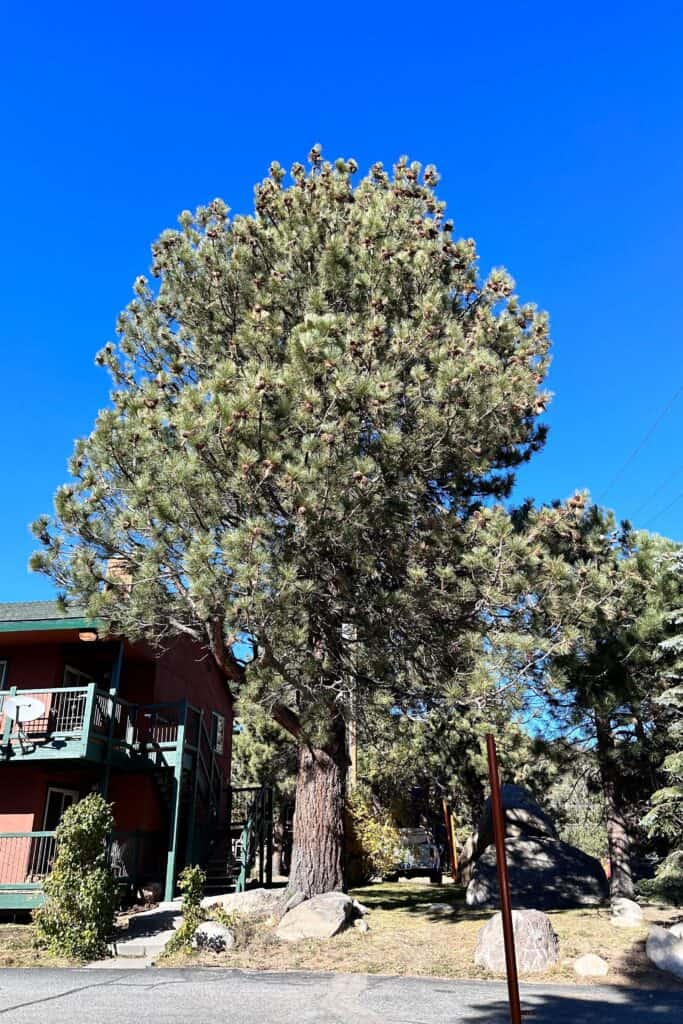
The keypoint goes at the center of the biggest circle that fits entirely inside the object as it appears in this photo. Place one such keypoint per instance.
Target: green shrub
(667, 885)
(191, 884)
(77, 918)
(372, 838)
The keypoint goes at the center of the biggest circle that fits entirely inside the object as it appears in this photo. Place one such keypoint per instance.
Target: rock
(677, 930)
(536, 945)
(626, 913)
(665, 950)
(252, 903)
(523, 817)
(360, 909)
(294, 900)
(211, 935)
(545, 873)
(321, 917)
(362, 925)
(591, 966)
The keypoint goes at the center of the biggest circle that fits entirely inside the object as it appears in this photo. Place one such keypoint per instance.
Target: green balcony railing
(25, 859)
(80, 721)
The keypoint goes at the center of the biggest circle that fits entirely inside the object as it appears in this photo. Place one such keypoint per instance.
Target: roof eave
(47, 625)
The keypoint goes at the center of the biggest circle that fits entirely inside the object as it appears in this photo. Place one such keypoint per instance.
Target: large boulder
(537, 947)
(251, 903)
(625, 913)
(523, 817)
(545, 873)
(321, 917)
(665, 950)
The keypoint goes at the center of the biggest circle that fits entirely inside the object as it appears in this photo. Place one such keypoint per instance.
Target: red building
(81, 712)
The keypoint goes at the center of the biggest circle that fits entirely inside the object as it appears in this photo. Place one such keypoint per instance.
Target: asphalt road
(213, 996)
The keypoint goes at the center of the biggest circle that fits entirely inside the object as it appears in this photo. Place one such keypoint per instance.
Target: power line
(665, 509)
(658, 490)
(638, 449)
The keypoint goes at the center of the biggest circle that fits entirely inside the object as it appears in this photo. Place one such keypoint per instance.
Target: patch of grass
(408, 937)
(17, 949)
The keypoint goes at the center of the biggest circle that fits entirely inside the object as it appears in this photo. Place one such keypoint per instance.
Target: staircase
(234, 851)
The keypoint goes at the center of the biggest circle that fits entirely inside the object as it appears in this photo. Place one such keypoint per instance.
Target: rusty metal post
(503, 882)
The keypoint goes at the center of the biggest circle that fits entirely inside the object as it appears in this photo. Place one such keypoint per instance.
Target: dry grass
(408, 938)
(17, 948)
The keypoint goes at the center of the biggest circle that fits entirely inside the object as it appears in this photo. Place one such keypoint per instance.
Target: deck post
(175, 810)
(269, 838)
(189, 846)
(8, 721)
(87, 718)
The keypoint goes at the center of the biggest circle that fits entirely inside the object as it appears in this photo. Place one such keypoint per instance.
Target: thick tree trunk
(318, 851)
(619, 841)
(618, 838)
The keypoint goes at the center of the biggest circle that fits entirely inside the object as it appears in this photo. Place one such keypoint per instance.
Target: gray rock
(321, 917)
(677, 930)
(537, 947)
(665, 950)
(210, 935)
(523, 817)
(359, 909)
(626, 913)
(545, 873)
(252, 903)
(591, 966)
(294, 900)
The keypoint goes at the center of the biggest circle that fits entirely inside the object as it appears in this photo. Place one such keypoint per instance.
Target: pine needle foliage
(317, 410)
(312, 407)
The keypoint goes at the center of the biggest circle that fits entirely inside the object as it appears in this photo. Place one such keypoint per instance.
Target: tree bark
(618, 838)
(318, 848)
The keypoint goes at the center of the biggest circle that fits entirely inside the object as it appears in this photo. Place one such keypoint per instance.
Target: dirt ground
(407, 937)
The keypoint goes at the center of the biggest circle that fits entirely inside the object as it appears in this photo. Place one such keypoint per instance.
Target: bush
(77, 918)
(667, 885)
(372, 838)
(191, 884)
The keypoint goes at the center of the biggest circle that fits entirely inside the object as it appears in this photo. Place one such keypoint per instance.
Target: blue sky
(557, 130)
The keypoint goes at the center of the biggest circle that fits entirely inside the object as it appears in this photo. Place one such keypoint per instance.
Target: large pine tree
(314, 408)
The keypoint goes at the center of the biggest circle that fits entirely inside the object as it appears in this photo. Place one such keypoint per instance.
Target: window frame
(64, 792)
(217, 732)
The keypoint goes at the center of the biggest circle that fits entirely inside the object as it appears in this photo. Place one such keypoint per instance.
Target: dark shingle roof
(22, 616)
(33, 611)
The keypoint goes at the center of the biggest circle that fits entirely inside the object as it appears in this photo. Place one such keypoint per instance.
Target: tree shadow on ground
(620, 1006)
(420, 900)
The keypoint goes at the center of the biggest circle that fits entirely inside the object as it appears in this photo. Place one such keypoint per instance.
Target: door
(56, 803)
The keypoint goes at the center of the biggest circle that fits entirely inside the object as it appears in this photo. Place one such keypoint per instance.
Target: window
(56, 803)
(74, 677)
(217, 732)
(3, 674)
